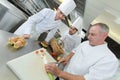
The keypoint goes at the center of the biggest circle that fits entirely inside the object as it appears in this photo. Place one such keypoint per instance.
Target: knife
(60, 65)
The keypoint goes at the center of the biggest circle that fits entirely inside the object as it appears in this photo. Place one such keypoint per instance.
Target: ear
(105, 34)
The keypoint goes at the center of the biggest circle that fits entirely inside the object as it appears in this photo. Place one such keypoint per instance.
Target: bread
(17, 41)
(56, 48)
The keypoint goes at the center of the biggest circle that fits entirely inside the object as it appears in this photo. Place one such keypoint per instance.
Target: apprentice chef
(71, 38)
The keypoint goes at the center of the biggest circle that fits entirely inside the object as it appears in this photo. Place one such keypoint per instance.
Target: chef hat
(67, 6)
(78, 23)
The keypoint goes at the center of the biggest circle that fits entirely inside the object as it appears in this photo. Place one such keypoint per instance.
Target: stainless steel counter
(8, 53)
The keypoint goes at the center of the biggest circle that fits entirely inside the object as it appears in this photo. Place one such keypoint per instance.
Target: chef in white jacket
(46, 19)
(71, 38)
(91, 60)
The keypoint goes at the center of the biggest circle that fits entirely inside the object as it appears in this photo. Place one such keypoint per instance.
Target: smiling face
(96, 36)
(72, 30)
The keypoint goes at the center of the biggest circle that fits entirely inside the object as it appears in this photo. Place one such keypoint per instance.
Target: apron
(69, 43)
(34, 34)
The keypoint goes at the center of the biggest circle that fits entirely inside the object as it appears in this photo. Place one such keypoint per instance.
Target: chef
(91, 60)
(45, 20)
(71, 38)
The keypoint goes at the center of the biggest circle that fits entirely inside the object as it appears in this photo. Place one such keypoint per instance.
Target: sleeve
(34, 19)
(77, 48)
(50, 34)
(77, 40)
(104, 69)
(53, 31)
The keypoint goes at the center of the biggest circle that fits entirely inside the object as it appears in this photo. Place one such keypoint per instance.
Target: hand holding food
(42, 53)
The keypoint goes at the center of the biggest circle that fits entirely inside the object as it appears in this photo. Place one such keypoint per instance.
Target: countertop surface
(8, 53)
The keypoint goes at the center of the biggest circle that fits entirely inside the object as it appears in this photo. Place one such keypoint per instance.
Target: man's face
(96, 37)
(72, 30)
(59, 15)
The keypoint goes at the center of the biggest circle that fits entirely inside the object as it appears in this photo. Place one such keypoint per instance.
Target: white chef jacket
(39, 23)
(70, 41)
(93, 62)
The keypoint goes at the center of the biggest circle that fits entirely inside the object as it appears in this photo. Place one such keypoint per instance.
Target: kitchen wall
(94, 8)
(10, 16)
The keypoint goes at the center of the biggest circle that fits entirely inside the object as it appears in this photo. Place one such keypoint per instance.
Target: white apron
(34, 34)
(70, 41)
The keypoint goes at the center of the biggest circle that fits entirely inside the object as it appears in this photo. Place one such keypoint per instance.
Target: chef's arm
(69, 56)
(38, 17)
(51, 34)
(66, 59)
(52, 68)
(34, 19)
(68, 76)
(28, 25)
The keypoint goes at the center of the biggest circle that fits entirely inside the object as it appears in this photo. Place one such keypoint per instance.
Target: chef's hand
(66, 59)
(52, 68)
(63, 60)
(26, 36)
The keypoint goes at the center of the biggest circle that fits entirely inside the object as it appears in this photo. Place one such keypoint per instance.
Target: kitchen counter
(8, 53)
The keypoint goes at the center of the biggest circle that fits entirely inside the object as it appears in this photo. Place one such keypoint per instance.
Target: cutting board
(30, 66)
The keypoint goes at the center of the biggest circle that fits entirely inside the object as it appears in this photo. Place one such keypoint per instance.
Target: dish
(17, 42)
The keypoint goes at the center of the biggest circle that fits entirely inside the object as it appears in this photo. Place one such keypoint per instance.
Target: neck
(99, 43)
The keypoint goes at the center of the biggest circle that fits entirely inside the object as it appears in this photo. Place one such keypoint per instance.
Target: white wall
(95, 7)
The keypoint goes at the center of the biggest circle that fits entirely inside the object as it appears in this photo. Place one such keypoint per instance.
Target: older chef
(91, 60)
(71, 38)
(45, 20)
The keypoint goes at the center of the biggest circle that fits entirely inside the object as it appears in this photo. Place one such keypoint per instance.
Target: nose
(62, 16)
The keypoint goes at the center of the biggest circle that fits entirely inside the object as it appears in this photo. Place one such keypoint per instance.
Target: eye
(62, 13)
(91, 34)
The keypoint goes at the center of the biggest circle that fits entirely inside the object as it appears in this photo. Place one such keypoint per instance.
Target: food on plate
(54, 55)
(42, 52)
(37, 52)
(44, 44)
(59, 58)
(56, 47)
(17, 41)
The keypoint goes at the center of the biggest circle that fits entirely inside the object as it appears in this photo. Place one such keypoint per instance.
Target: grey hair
(104, 27)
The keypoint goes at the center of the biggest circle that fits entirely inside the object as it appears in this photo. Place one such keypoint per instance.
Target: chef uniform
(72, 41)
(44, 21)
(93, 62)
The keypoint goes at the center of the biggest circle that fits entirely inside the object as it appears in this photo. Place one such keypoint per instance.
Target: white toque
(67, 6)
(78, 23)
